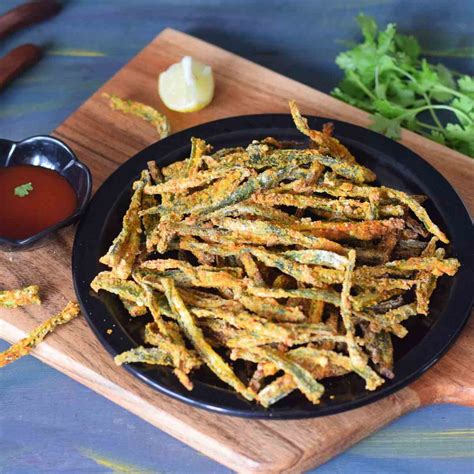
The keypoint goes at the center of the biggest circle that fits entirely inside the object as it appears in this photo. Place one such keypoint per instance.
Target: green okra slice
(328, 296)
(358, 359)
(303, 379)
(188, 325)
(143, 111)
(418, 210)
(132, 308)
(300, 272)
(20, 297)
(184, 184)
(126, 289)
(24, 346)
(324, 258)
(122, 253)
(272, 234)
(270, 308)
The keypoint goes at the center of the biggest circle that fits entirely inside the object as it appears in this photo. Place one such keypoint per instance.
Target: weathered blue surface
(50, 423)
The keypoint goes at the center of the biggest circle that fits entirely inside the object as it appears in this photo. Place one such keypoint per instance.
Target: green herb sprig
(23, 190)
(385, 75)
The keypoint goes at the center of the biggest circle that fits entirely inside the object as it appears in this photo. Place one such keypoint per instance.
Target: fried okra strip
(126, 289)
(268, 179)
(251, 269)
(270, 308)
(198, 149)
(357, 357)
(398, 315)
(150, 222)
(284, 385)
(328, 296)
(25, 345)
(317, 257)
(166, 329)
(248, 209)
(323, 140)
(255, 324)
(154, 171)
(122, 253)
(372, 298)
(302, 378)
(194, 203)
(243, 338)
(299, 271)
(366, 230)
(20, 297)
(344, 207)
(200, 201)
(436, 266)
(380, 349)
(172, 345)
(288, 334)
(184, 360)
(188, 325)
(272, 234)
(145, 355)
(199, 276)
(425, 285)
(142, 111)
(184, 184)
(418, 210)
(378, 322)
(132, 308)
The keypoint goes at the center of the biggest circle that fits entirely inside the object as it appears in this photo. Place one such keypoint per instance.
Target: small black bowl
(47, 152)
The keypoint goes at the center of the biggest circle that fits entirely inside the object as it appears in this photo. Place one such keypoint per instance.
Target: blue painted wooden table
(51, 423)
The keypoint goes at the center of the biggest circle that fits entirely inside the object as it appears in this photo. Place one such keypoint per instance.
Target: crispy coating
(126, 246)
(196, 337)
(27, 344)
(20, 297)
(143, 111)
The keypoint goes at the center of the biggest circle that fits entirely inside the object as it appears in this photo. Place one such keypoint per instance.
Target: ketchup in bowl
(33, 198)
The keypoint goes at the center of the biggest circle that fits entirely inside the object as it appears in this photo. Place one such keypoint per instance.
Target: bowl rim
(26, 241)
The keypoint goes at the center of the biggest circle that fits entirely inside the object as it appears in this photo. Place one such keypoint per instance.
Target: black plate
(396, 166)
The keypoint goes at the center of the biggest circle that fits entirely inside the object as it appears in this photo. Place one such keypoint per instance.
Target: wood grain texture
(104, 139)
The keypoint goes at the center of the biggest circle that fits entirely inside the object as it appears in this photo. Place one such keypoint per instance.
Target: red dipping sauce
(51, 200)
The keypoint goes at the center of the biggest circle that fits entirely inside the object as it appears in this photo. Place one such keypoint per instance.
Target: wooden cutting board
(104, 139)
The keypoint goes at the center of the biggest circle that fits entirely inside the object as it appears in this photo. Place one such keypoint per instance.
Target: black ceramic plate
(395, 165)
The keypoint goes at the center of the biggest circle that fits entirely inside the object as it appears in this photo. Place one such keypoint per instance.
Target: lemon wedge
(186, 86)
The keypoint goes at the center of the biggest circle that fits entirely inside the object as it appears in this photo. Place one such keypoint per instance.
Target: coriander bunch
(385, 75)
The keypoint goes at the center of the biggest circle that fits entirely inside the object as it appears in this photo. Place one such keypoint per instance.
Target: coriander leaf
(23, 190)
(460, 138)
(446, 76)
(446, 79)
(466, 105)
(408, 45)
(466, 85)
(389, 109)
(388, 127)
(399, 92)
(437, 136)
(368, 26)
(385, 39)
(425, 78)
